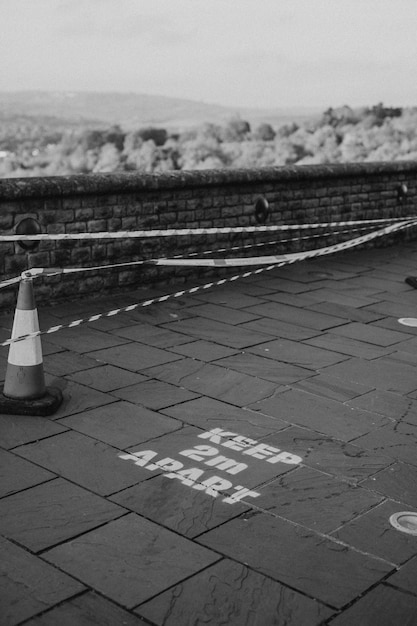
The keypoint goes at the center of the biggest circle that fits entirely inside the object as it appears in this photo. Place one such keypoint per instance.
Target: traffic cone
(24, 391)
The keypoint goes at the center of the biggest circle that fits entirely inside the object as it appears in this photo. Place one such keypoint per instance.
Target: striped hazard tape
(284, 260)
(181, 232)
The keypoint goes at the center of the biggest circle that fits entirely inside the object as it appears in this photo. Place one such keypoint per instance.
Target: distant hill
(131, 110)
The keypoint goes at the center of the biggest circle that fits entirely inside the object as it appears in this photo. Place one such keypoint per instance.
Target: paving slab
(277, 372)
(131, 559)
(155, 394)
(294, 315)
(186, 511)
(85, 610)
(15, 432)
(29, 585)
(208, 413)
(152, 335)
(372, 532)
(218, 382)
(321, 414)
(406, 577)
(333, 388)
(349, 346)
(347, 461)
(369, 334)
(231, 593)
(396, 440)
(348, 313)
(84, 340)
(392, 405)
(219, 332)
(17, 474)
(134, 356)
(381, 373)
(57, 511)
(223, 313)
(383, 606)
(121, 424)
(203, 350)
(282, 329)
(106, 378)
(298, 354)
(77, 398)
(397, 481)
(306, 561)
(82, 460)
(315, 500)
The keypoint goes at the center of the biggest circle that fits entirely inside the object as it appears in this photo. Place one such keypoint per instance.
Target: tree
(236, 129)
(264, 132)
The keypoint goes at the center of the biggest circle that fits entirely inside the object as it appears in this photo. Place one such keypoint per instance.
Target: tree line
(339, 135)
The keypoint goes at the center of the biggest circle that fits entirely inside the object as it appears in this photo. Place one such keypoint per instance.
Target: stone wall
(187, 199)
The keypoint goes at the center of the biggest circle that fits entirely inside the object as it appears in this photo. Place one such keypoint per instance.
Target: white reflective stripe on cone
(27, 351)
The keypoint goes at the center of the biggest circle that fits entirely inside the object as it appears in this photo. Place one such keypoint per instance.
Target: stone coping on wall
(101, 184)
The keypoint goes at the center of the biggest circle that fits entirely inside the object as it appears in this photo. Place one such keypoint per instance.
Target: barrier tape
(287, 258)
(296, 257)
(191, 231)
(36, 272)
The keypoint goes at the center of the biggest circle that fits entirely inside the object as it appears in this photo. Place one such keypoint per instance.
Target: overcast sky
(255, 53)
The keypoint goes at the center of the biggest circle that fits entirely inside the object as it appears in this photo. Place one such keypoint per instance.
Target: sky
(243, 53)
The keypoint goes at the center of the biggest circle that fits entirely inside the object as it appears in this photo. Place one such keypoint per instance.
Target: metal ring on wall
(261, 209)
(28, 226)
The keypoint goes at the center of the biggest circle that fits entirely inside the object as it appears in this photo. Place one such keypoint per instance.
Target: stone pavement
(231, 458)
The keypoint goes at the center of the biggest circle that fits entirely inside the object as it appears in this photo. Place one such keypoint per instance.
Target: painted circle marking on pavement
(406, 522)
(408, 321)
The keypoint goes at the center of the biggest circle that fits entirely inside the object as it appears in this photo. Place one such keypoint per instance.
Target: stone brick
(95, 226)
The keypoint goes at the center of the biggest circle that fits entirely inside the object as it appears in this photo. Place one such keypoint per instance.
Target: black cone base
(47, 405)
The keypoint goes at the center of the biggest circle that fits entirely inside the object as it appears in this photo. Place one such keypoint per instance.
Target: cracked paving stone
(230, 593)
(344, 460)
(131, 559)
(389, 404)
(315, 500)
(168, 502)
(373, 533)
(297, 557)
(218, 382)
(380, 373)
(397, 441)
(322, 414)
